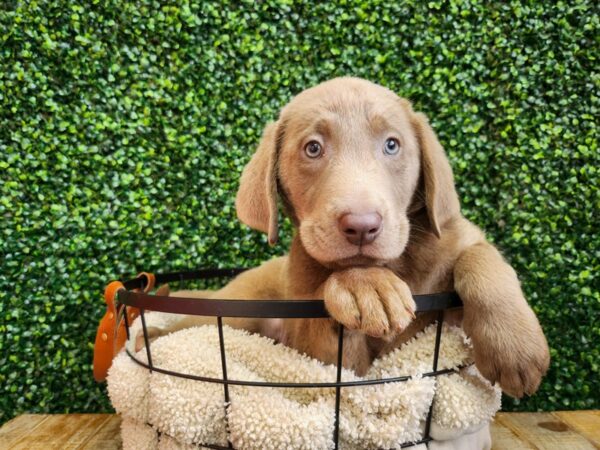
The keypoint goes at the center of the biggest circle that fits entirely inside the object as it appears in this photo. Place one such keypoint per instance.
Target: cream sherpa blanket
(165, 412)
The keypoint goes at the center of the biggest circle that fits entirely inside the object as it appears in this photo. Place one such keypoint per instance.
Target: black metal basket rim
(220, 447)
(212, 307)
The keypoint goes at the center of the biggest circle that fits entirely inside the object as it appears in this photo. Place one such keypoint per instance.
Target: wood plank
(504, 438)
(62, 432)
(107, 437)
(572, 430)
(19, 427)
(543, 431)
(586, 423)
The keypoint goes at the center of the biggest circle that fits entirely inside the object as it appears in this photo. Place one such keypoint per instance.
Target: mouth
(357, 259)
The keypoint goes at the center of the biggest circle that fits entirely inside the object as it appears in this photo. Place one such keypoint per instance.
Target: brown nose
(360, 229)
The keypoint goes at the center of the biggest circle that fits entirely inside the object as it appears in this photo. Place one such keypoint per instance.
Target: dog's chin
(355, 261)
(351, 256)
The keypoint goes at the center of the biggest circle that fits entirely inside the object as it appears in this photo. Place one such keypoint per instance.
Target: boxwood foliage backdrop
(124, 127)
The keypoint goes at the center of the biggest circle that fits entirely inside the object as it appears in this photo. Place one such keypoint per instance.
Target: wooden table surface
(570, 430)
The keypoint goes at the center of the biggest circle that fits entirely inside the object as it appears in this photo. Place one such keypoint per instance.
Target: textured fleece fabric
(164, 412)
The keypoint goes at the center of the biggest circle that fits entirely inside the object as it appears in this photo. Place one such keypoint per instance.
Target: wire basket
(134, 294)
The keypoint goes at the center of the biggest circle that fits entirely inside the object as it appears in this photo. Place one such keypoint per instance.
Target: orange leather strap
(151, 280)
(108, 336)
(111, 334)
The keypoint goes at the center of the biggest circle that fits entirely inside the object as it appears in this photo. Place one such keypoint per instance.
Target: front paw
(370, 299)
(515, 357)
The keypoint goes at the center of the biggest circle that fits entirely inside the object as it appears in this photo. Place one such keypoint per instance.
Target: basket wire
(221, 308)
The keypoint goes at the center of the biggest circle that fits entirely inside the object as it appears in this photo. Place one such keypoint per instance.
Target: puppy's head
(352, 163)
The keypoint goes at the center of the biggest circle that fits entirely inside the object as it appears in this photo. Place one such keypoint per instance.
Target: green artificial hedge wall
(124, 126)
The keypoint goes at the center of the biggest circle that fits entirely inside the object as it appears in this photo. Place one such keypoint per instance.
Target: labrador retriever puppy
(371, 194)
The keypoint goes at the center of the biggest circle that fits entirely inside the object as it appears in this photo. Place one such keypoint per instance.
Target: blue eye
(391, 147)
(313, 149)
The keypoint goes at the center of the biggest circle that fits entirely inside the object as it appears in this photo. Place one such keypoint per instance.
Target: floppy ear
(441, 199)
(256, 199)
